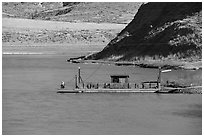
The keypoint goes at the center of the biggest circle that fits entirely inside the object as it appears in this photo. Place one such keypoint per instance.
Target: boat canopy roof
(119, 76)
(146, 82)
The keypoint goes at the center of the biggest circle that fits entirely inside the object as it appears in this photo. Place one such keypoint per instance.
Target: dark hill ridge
(159, 31)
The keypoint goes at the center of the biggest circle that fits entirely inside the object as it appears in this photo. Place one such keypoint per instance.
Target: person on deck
(62, 85)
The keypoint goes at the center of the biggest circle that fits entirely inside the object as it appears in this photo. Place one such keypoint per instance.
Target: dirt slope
(86, 23)
(99, 12)
(26, 31)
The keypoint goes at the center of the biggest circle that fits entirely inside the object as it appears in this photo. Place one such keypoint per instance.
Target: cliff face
(158, 31)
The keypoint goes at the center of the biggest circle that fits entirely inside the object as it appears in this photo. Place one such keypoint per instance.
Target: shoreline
(81, 53)
(158, 63)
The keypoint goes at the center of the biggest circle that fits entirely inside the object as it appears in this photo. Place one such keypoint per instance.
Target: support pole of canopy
(76, 86)
(79, 76)
(159, 78)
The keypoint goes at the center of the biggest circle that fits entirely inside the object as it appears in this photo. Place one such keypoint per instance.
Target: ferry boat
(117, 84)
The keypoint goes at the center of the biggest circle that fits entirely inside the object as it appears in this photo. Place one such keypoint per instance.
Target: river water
(30, 104)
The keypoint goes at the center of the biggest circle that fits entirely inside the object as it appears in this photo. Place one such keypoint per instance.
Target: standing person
(62, 85)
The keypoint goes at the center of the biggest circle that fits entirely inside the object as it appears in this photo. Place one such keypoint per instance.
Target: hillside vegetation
(82, 23)
(159, 31)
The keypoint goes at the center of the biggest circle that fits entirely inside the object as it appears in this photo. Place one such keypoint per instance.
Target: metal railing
(91, 85)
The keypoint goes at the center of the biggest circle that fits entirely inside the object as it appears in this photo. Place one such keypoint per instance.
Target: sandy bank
(55, 25)
(27, 31)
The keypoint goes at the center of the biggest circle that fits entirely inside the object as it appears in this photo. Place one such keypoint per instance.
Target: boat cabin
(119, 78)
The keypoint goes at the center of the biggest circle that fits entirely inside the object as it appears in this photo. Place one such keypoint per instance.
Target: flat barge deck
(108, 91)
